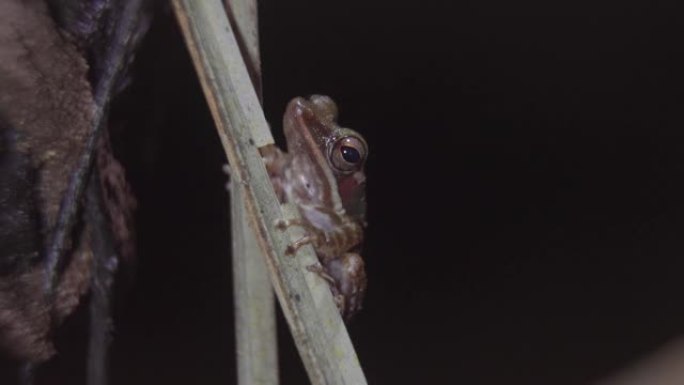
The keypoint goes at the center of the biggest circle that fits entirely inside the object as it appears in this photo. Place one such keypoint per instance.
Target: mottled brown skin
(322, 174)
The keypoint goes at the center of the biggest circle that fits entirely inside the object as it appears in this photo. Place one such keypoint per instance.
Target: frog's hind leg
(346, 277)
(338, 297)
(349, 274)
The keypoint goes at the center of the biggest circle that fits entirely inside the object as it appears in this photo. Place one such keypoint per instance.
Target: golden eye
(348, 153)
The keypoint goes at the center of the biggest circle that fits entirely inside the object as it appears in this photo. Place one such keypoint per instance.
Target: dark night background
(525, 204)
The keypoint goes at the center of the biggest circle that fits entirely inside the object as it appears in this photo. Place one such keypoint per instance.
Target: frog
(322, 174)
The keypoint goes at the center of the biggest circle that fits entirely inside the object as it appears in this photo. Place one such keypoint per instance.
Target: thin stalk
(315, 323)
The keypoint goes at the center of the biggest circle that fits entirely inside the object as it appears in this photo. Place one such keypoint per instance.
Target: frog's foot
(313, 236)
(338, 297)
(339, 302)
(283, 224)
(296, 245)
(320, 270)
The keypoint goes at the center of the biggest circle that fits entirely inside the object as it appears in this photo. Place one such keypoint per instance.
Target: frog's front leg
(349, 274)
(328, 245)
(313, 235)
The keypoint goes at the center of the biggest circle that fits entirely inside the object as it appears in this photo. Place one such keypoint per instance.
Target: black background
(525, 204)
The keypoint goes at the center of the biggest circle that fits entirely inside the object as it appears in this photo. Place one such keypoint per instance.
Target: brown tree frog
(322, 174)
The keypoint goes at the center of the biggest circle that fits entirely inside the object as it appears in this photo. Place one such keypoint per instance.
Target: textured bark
(61, 62)
(106, 35)
(45, 96)
(47, 107)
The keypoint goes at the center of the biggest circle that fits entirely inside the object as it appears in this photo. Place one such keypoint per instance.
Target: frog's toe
(340, 302)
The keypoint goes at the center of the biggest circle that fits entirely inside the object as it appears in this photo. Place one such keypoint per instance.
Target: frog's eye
(348, 153)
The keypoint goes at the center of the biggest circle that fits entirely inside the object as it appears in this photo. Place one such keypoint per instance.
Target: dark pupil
(350, 154)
